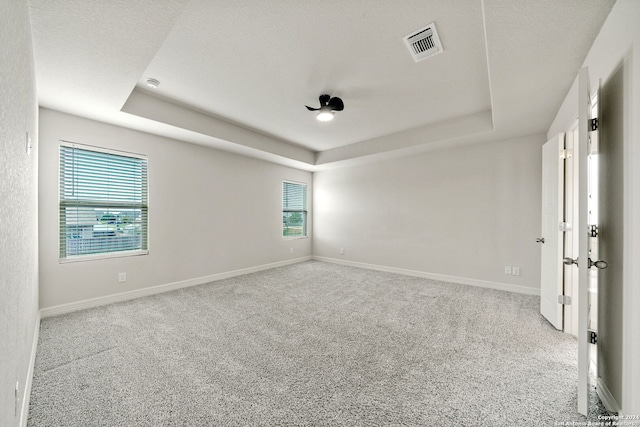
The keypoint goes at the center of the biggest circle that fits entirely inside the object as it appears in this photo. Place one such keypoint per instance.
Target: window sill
(81, 258)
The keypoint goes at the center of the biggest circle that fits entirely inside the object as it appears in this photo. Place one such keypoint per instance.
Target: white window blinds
(103, 202)
(294, 209)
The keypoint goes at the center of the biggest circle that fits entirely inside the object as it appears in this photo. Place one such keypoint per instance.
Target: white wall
(210, 212)
(18, 208)
(618, 45)
(465, 212)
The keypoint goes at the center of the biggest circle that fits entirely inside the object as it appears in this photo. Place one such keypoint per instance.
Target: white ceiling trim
(174, 114)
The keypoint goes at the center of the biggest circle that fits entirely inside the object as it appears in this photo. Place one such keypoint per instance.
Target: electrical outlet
(17, 399)
(122, 277)
(341, 251)
(507, 269)
(515, 271)
(290, 250)
(29, 146)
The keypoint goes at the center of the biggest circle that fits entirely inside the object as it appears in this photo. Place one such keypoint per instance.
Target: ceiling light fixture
(153, 83)
(328, 107)
(325, 114)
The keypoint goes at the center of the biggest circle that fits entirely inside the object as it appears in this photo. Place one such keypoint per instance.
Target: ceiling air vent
(423, 43)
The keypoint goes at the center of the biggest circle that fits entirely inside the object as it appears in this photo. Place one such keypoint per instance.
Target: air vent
(423, 43)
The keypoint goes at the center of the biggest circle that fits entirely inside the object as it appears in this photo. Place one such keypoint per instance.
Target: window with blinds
(294, 210)
(103, 202)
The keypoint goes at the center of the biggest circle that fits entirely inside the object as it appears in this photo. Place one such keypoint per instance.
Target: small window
(103, 202)
(294, 210)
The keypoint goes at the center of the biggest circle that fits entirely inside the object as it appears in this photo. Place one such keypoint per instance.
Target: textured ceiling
(236, 75)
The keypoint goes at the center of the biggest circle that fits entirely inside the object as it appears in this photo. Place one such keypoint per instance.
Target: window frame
(304, 211)
(144, 206)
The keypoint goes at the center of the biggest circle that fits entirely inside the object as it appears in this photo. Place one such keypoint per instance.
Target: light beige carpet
(308, 344)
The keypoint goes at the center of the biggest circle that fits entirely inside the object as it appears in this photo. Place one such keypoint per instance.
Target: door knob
(540, 240)
(601, 265)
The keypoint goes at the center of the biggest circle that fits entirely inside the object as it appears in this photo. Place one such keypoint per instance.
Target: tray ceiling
(237, 75)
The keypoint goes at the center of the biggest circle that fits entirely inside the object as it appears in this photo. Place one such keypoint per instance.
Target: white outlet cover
(28, 143)
(17, 399)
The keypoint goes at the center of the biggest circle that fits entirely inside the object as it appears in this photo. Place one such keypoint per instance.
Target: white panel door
(611, 235)
(551, 240)
(584, 356)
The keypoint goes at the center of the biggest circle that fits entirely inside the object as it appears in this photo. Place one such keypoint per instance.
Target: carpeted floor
(308, 344)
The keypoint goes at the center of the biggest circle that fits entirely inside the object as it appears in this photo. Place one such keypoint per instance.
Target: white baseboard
(441, 277)
(606, 397)
(138, 293)
(26, 390)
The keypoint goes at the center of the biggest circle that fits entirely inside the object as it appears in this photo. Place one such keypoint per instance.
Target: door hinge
(593, 125)
(564, 299)
(593, 230)
(593, 336)
(565, 226)
(566, 153)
